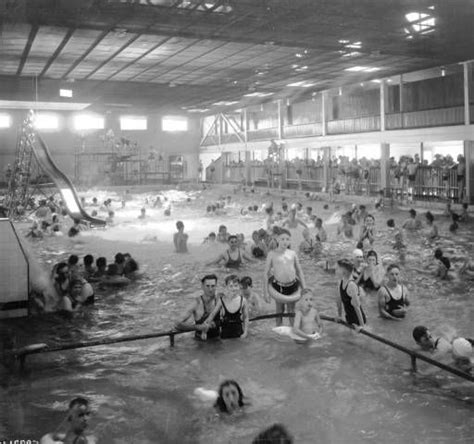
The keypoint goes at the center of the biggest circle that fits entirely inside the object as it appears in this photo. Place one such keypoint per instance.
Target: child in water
(283, 277)
(233, 310)
(247, 292)
(180, 239)
(307, 322)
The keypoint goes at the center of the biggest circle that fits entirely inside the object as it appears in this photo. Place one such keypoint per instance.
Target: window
(46, 121)
(174, 123)
(5, 121)
(88, 122)
(419, 23)
(133, 123)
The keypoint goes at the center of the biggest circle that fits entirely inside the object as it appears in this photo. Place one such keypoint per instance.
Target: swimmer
(464, 216)
(412, 223)
(71, 301)
(367, 233)
(73, 262)
(89, 269)
(443, 264)
(393, 297)
(142, 214)
(307, 245)
(210, 239)
(120, 263)
(307, 322)
(275, 434)
(180, 239)
(35, 232)
(232, 309)
(233, 256)
(321, 235)
(438, 347)
(258, 248)
(432, 233)
(344, 229)
(283, 277)
(467, 269)
(200, 309)
(462, 354)
(222, 234)
(230, 397)
(348, 293)
(73, 427)
(253, 300)
(292, 221)
(110, 219)
(373, 274)
(101, 264)
(379, 202)
(359, 264)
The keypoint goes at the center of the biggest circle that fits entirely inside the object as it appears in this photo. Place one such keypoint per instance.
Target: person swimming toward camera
(283, 275)
(307, 322)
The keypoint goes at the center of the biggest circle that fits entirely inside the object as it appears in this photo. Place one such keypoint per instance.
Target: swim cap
(462, 348)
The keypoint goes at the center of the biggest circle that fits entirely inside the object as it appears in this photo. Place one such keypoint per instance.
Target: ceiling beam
(61, 46)
(26, 50)
(112, 56)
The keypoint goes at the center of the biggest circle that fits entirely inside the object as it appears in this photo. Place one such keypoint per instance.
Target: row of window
(82, 122)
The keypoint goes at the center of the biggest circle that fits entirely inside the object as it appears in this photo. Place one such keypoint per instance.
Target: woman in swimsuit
(233, 255)
(393, 297)
(349, 296)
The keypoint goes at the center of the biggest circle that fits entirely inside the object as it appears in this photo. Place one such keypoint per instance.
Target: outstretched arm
(187, 322)
(217, 260)
(266, 275)
(245, 318)
(210, 318)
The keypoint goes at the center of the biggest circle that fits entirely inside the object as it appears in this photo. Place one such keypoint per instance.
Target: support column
(467, 110)
(400, 97)
(323, 113)
(248, 167)
(326, 158)
(382, 104)
(385, 167)
(280, 120)
(469, 173)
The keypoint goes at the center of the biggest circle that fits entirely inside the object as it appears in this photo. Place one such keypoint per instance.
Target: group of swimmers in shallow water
(226, 314)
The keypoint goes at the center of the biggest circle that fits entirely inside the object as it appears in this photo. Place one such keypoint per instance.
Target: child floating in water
(307, 323)
(228, 399)
(283, 277)
(180, 239)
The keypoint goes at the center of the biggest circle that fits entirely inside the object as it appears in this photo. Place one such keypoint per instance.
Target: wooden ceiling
(192, 54)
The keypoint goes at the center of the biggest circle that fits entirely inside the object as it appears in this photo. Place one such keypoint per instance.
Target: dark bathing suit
(285, 289)
(394, 304)
(233, 263)
(351, 315)
(367, 284)
(213, 332)
(231, 323)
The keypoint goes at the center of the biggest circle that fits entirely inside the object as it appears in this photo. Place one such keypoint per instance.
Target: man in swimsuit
(233, 255)
(72, 429)
(200, 309)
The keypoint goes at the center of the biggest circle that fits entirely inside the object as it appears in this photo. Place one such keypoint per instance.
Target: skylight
(362, 69)
(258, 94)
(301, 84)
(421, 23)
(225, 103)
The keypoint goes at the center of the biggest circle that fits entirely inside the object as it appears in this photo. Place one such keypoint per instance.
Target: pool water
(346, 389)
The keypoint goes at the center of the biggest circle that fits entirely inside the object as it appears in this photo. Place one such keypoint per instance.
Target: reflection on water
(347, 389)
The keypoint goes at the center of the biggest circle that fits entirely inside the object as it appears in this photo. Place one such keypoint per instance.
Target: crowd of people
(224, 313)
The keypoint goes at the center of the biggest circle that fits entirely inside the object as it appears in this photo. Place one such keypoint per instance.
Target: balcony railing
(356, 125)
